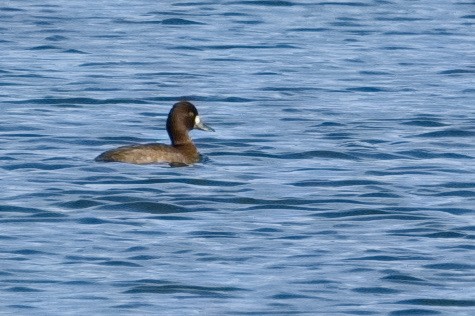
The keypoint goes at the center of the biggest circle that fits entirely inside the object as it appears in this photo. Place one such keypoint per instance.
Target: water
(341, 178)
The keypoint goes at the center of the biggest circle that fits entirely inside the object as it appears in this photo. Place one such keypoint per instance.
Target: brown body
(182, 118)
(152, 153)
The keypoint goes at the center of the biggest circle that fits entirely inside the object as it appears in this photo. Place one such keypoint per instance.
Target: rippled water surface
(340, 179)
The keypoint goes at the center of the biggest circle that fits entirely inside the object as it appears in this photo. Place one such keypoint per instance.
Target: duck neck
(178, 131)
(179, 137)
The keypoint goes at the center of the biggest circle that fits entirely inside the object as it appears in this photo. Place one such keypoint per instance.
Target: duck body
(152, 153)
(182, 118)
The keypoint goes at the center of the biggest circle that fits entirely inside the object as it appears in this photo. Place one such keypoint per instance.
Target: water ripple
(340, 178)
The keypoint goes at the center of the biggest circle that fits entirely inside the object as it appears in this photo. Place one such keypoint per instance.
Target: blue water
(340, 179)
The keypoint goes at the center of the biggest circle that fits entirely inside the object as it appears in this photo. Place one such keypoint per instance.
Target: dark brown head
(183, 117)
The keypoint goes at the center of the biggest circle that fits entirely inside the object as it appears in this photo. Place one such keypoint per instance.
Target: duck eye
(190, 114)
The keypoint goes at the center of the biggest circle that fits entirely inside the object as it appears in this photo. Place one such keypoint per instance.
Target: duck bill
(202, 126)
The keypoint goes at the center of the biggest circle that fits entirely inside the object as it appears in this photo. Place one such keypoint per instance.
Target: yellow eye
(190, 114)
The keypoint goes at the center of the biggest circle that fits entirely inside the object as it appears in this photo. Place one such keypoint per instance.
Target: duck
(183, 117)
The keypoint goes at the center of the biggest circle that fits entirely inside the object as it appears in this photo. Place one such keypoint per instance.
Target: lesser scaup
(182, 118)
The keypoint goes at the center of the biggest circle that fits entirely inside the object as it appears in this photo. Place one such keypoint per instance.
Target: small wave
(345, 4)
(11, 9)
(424, 123)
(367, 89)
(392, 47)
(319, 154)
(170, 21)
(461, 193)
(340, 183)
(213, 234)
(456, 185)
(147, 207)
(448, 133)
(80, 101)
(374, 73)
(456, 72)
(80, 204)
(424, 154)
(74, 51)
(450, 266)
(401, 278)
(414, 312)
(439, 302)
(375, 290)
(119, 263)
(266, 3)
(56, 38)
(310, 29)
(38, 166)
(381, 258)
(22, 289)
(91, 221)
(241, 46)
(288, 296)
(174, 288)
(445, 235)
(178, 21)
(44, 47)
(352, 213)
(18, 209)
